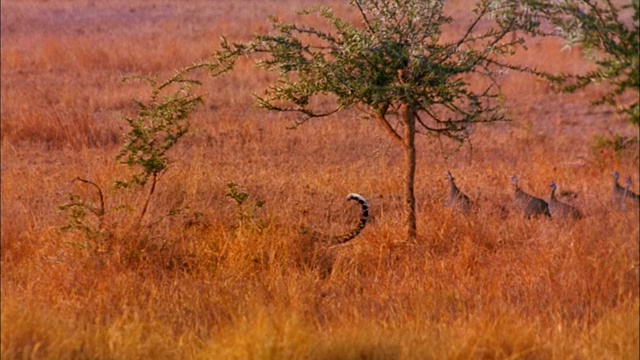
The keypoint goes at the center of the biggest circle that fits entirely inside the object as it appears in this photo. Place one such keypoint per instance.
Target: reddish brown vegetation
(483, 286)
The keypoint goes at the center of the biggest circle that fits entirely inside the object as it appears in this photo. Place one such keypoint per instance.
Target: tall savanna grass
(196, 280)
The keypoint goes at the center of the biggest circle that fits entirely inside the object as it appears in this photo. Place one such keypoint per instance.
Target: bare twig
(101, 211)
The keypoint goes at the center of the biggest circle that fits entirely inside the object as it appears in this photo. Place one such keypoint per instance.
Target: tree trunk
(409, 122)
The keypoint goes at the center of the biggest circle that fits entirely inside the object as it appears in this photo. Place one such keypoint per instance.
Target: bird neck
(454, 188)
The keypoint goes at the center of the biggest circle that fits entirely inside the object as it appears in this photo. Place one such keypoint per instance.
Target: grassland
(213, 286)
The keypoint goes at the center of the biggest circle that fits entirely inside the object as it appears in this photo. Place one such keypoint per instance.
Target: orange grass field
(204, 283)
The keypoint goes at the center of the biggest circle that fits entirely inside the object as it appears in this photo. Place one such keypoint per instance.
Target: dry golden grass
(478, 287)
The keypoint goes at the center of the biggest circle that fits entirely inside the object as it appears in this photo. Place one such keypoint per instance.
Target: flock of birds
(528, 204)
(533, 206)
(318, 249)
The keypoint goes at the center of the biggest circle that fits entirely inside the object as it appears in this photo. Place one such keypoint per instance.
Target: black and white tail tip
(364, 216)
(362, 201)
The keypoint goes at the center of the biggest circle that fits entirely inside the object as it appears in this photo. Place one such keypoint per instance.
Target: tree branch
(380, 117)
(100, 212)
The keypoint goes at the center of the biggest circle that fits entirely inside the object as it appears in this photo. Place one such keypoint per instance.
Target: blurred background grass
(208, 287)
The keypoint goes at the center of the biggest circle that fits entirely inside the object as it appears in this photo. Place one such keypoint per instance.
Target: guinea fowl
(628, 192)
(559, 209)
(619, 193)
(530, 205)
(456, 198)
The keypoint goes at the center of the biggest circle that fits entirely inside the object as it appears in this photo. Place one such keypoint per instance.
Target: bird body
(628, 192)
(456, 198)
(559, 209)
(530, 205)
(619, 193)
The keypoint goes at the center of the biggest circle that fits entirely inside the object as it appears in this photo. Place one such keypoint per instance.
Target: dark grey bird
(559, 209)
(628, 192)
(530, 205)
(619, 193)
(456, 198)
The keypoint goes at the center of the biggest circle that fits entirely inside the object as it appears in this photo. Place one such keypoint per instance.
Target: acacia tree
(393, 65)
(609, 34)
(615, 45)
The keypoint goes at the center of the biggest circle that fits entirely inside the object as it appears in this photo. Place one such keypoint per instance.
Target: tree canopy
(395, 65)
(609, 33)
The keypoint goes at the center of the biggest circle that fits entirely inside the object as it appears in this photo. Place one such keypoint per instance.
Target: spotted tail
(363, 220)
